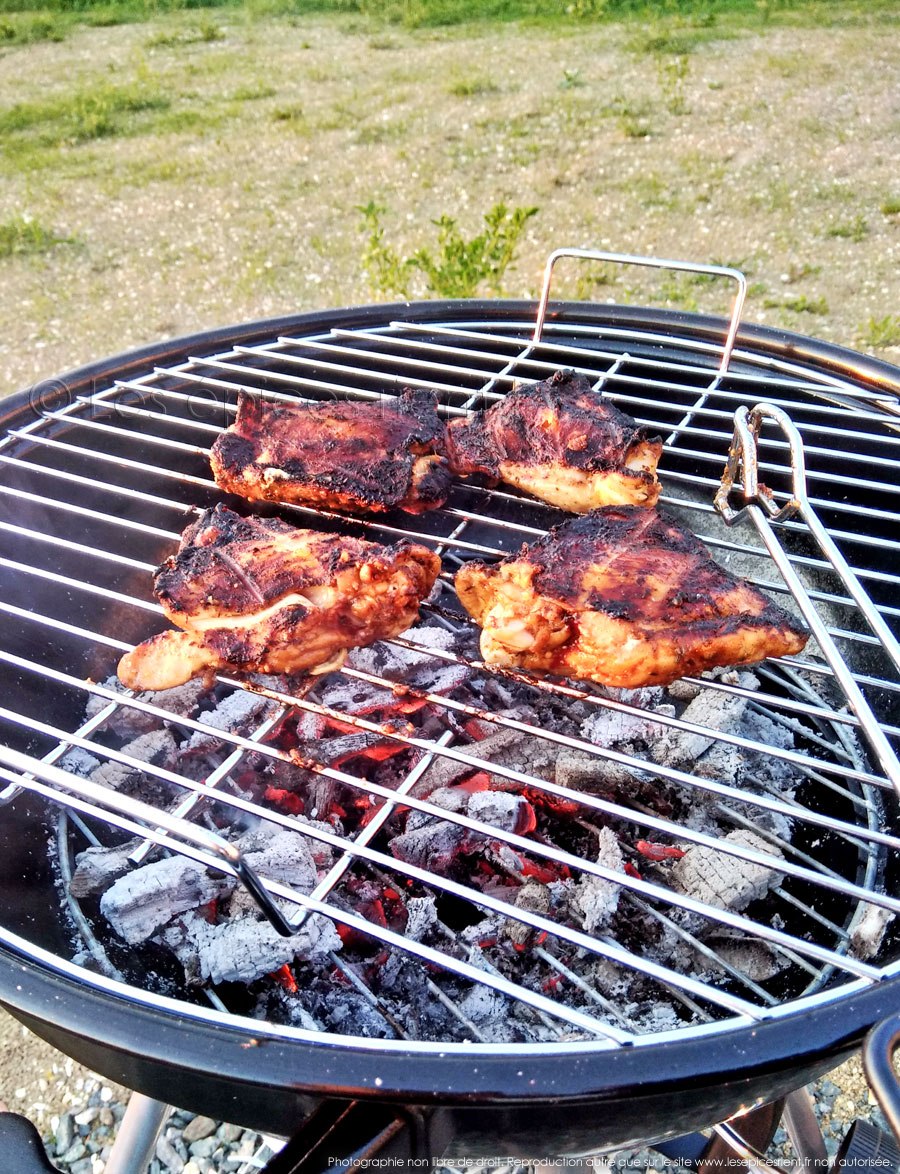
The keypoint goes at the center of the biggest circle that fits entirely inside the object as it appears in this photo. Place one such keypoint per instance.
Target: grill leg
(135, 1142)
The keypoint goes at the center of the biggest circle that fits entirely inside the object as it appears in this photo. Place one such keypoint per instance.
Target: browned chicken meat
(259, 595)
(345, 456)
(623, 596)
(562, 442)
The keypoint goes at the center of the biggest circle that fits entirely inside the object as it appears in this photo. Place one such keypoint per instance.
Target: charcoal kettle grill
(101, 469)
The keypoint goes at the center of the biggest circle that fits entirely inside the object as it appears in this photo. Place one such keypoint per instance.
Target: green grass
(23, 235)
(671, 26)
(27, 28)
(94, 111)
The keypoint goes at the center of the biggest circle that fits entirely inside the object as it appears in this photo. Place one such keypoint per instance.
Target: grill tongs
(741, 480)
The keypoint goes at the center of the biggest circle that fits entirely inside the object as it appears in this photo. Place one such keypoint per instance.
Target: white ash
(722, 880)
(139, 903)
(868, 933)
(238, 712)
(246, 949)
(593, 899)
(421, 917)
(501, 809)
(753, 958)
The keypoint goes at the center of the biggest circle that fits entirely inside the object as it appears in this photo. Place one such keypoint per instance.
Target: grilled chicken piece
(623, 596)
(259, 595)
(344, 456)
(562, 442)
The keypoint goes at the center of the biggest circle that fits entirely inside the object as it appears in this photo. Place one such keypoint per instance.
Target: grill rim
(781, 344)
(816, 1036)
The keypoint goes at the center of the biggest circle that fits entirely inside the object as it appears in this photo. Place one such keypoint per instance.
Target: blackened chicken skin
(623, 596)
(358, 457)
(259, 595)
(561, 442)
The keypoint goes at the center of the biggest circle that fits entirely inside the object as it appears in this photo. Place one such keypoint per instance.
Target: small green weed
(853, 230)
(253, 92)
(882, 332)
(22, 234)
(388, 273)
(800, 304)
(473, 87)
(891, 206)
(203, 32)
(457, 267)
(290, 113)
(673, 73)
(460, 266)
(571, 79)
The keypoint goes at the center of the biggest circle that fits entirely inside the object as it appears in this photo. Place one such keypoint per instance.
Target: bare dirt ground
(207, 170)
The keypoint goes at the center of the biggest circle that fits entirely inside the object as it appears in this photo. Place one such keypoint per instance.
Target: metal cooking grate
(98, 491)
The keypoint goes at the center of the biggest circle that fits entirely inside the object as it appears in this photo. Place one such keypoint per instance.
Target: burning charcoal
(615, 729)
(595, 900)
(683, 690)
(157, 748)
(421, 916)
(507, 748)
(725, 881)
(868, 933)
(433, 846)
(715, 711)
(79, 762)
(533, 898)
(182, 701)
(238, 713)
(286, 857)
(581, 771)
(96, 868)
(268, 840)
(142, 901)
(503, 810)
(246, 949)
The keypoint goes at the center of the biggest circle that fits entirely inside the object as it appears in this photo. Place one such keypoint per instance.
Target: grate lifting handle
(651, 263)
(741, 477)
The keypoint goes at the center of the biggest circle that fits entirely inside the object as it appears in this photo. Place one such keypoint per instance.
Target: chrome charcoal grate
(98, 489)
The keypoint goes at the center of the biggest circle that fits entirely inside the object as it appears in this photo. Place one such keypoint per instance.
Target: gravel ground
(206, 168)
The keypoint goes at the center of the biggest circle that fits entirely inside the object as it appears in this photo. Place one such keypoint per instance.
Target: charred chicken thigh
(353, 456)
(623, 596)
(259, 595)
(562, 442)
